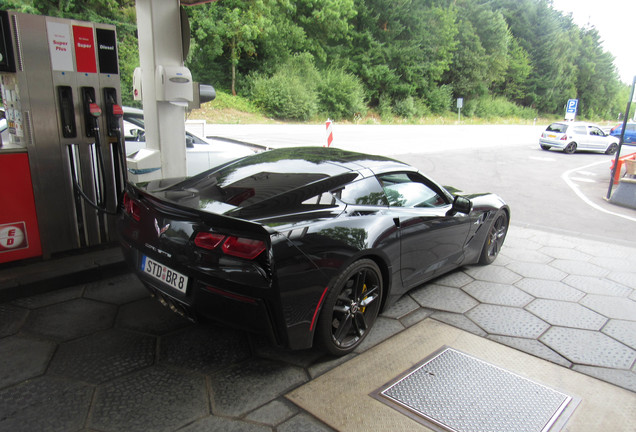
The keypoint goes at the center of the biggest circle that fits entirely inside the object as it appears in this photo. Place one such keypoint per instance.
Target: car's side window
(362, 192)
(407, 190)
(594, 131)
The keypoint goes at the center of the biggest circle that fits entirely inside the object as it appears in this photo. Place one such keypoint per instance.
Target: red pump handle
(118, 110)
(95, 110)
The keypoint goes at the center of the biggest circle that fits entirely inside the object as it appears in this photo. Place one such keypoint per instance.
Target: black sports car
(304, 244)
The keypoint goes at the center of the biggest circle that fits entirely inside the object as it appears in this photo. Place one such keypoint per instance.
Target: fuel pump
(60, 87)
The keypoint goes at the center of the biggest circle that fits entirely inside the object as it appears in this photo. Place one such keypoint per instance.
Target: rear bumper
(204, 299)
(553, 143)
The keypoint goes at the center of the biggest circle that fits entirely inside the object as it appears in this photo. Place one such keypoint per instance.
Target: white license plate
(164, 274)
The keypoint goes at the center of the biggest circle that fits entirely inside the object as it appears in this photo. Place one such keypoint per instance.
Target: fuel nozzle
(95, 110)
(118, 111)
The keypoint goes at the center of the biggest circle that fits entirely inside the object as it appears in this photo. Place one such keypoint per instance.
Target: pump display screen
(6, 48)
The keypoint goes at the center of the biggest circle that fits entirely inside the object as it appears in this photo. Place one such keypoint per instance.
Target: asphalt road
(547, 190)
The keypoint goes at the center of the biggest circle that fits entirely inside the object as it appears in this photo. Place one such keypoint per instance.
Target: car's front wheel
(495, 238)
(351, 308)
(611, 149)
(570, 148)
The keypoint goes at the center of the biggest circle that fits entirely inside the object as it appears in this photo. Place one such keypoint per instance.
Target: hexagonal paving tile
(157, 399)
(149, 316)
(500, 294)
(404, 306)
(624, 278)
(71, 319)
(104, 356)
(614, 264)
(443, 298)
(554, 240)
(22, 357)
(243, 387)
(578, 268)
(525, 255)
(455, 279)
(590, 348)
(566, 314)
(532, 346)
(606, 250)
(383, 329)
(118, 290)
(623, 331)
(213, 423)
(273, 413)
(45, 404)
(522, 243)
(460, 321)
(50, 298)
(594, 285)
(536, 271)
(507, 321)
(204, 348)
(493, 274)
(612, 307)
(11, 319)
(549, 289)
(565, 253)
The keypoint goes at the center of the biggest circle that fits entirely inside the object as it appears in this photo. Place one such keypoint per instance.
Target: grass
(228, 109)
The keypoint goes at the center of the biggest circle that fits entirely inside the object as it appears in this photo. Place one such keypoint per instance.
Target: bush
(284, 97)
(290, 93)
(340, 95)
(384, 107)
(439, 99)
(405, 108)
(496, 107)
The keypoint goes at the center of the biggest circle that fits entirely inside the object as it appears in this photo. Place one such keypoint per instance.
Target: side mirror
(138, 134)
(461, 204)
(189, 142)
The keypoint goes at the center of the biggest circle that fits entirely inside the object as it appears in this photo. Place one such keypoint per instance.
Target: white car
(573, 136)
(201, 154)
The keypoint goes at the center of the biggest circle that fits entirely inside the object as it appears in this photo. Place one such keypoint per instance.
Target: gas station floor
(84, 347)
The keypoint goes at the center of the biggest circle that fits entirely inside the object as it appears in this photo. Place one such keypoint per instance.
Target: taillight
(207, 240)
(131, 207)
(240, 247)
(564, 138)
(243, 247)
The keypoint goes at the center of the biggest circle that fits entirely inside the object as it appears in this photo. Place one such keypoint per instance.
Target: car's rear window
(557, 127)
(263, 184)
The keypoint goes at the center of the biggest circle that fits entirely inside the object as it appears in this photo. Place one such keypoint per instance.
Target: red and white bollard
(329, 126)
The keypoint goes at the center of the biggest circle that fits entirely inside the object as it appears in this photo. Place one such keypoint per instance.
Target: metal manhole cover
(459, 393)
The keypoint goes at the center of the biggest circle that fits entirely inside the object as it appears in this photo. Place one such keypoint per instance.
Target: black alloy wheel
(611, 149)
(570, 148)
(495, 238)
(351, 308)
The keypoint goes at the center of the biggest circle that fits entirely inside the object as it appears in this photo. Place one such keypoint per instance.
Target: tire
(351, 308)
(570, 148)
(611, 149)
(545, 147)
(494, 239)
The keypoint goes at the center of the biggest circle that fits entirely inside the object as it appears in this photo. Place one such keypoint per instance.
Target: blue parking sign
(570, 110)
